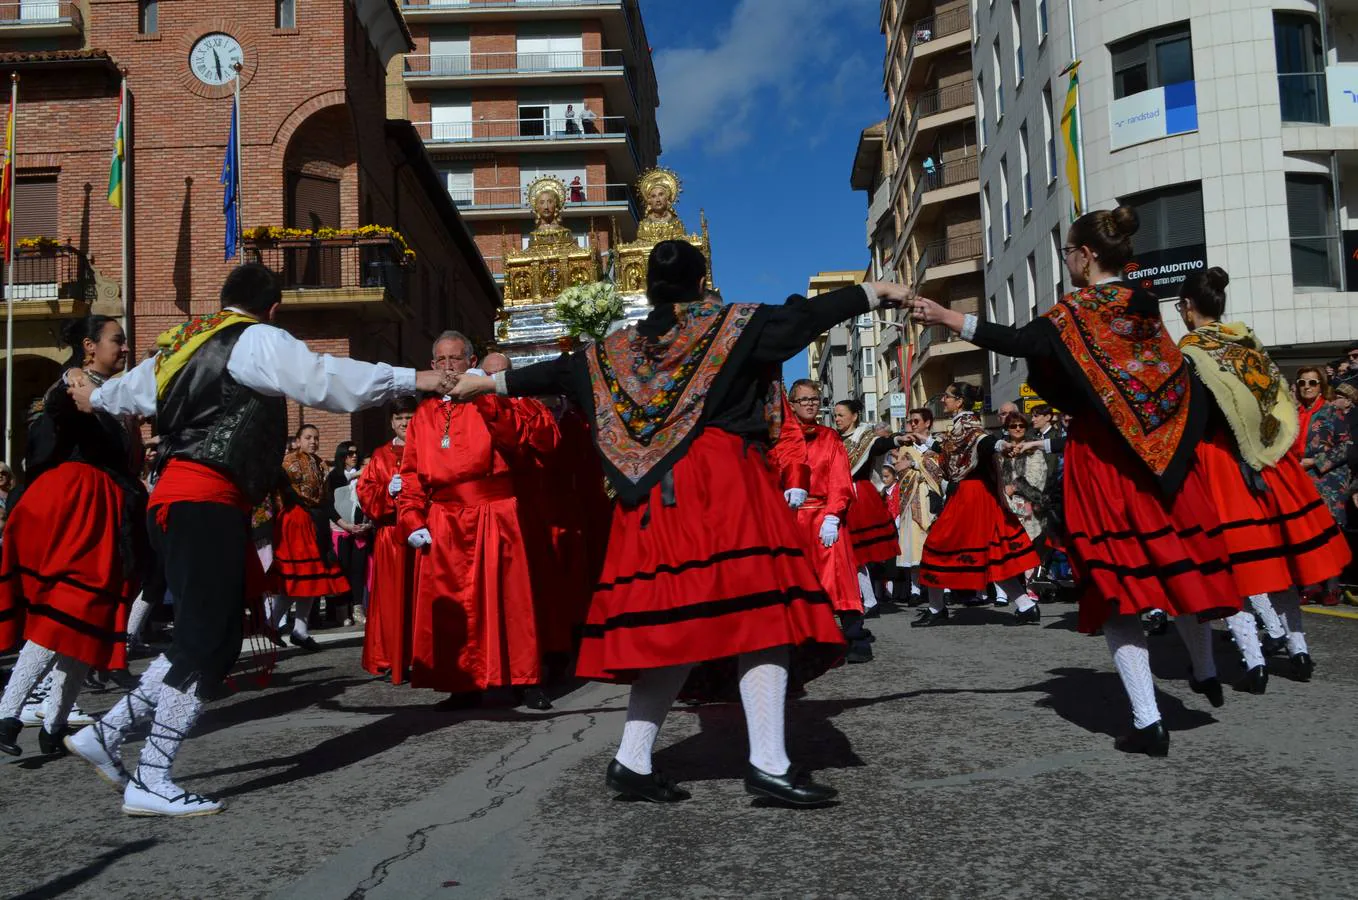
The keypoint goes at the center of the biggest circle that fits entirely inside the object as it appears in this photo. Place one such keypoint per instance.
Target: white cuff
(403, 380)
(969, 323)
(501, 386)
(873, 300)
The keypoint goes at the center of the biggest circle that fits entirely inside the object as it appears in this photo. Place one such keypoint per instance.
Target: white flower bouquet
(588, 309)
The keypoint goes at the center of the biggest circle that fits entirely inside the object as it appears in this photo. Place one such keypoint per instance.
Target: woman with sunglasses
(1278, 530)
(1024, 477)
(975, 541)
(1312, 390)
(1142, 528)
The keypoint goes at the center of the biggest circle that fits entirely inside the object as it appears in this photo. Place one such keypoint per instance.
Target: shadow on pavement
(1095, 701)
(73, 880)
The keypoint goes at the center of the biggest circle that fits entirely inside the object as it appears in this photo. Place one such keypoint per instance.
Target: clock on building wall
(213, 58)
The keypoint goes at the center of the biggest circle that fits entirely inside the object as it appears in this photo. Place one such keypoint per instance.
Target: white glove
(420, 538)
(795, 497)
(394, 486)
(829, 530)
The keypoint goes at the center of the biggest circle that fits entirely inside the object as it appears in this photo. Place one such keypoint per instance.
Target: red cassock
(831, 494)
(893, 501)
(386, 643)
(475, 626)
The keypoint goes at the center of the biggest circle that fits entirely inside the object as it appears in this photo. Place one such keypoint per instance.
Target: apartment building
(1231, 127)
(843, 359)
(504, 91)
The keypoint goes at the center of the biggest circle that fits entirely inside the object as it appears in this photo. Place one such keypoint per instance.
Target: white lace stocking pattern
(31, 667)
(763, 695)
(1132, 658)
(652, 696)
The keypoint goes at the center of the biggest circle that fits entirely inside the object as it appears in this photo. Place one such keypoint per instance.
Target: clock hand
(218, 60)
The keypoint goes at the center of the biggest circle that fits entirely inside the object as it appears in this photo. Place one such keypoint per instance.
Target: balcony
(933, 36)
(50, 279)
(582, 200)
(459, 70)
(948, 258)
(41, 18)
(612, 15)
(611, 133)
(361, 274)
(1303, 98)
(959, 178)
(937, 108)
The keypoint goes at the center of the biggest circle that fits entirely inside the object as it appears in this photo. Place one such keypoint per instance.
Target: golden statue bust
(547, 196)
(658, 191)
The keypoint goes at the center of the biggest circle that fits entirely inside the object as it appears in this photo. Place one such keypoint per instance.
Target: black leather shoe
(1156, 623)
(534, 698)
(928, 618)
(795, 788)
(1030, 616)
(1255, 681)
(51, 744)
(9, 736)
(1153, 740)
(859, 652)
(653, 787)
(307, 643)
(1302, 667)
(1209, 688)
(1273, 646)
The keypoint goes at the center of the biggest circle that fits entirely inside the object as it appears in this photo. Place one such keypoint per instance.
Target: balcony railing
(935, 27)
(32, 13)
(945, 252)
(511, 197)
(532, 128)
(940, 100)
(944, 175)
(511, 62)
(333, 263)
(417, 5)
(62, 273)
(1303, 98)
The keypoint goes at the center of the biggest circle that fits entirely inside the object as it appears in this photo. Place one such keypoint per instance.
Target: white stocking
(1127, 641)
(33, 663)
(936, 603)
(135, 619)
(67, 676)
(1197, 637)
(652, 696)
(1246, 634)
(176, 713)
(1289, 604)
(1263, 608)
(865, 588)
(914, 582)
(301, 612)
(1012, 588)
(763, 694)
(134, 707)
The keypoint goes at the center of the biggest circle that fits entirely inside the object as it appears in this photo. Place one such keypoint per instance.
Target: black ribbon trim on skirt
(1003, 539)
(80, 626)
(13, 611)
(989, 563)
(66, 580)
(1151, 570)
(1279, 519)
(714, 559)
(1143, 536)
(310, 560)
(1312, 543)
(707, 609)
(333, 574)
(872, 536)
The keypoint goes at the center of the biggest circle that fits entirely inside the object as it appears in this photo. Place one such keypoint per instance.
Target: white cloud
(777, 52)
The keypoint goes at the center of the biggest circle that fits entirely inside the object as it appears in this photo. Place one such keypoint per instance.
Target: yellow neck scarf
(177, 346)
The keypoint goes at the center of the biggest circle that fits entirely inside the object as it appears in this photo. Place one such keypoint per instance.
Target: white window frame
(1025, 171)
(1030, 279)
(980, 108)
(999, 80)
(1058, 263)
(994, 357)
(869, 362)
(1016, 26)
(1049, 134)
(1006, 211)
(985, 223)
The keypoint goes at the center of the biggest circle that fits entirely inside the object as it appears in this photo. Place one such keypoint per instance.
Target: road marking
(1325, 611)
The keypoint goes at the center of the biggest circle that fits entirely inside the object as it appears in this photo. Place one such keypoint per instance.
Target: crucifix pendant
(444, 443)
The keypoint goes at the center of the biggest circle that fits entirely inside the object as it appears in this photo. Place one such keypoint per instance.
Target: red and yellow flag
(7, 182)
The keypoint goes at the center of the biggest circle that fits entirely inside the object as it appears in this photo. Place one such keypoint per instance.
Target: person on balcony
(577, 190)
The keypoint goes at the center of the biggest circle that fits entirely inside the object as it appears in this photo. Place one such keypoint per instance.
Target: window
(148, 17)
(1004, 198)
(450, 50)
(1316, 256)
(285, 14)
(869, 362)
(1049, 132)
(1016, 26)
(980, 107)
(1151, 60)
(870, 408)
(458, 178)
(1030, 285)
(548, 46)
(450, 119)
(994, 359)
(1058, 263)
(1041, 21)
(1170, 217)
(1025, 171)
(1301, 68)
(999, 80)
(985, 222)
(1009, 302)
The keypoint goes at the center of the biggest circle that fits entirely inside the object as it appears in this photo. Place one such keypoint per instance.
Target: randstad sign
(1153, 114)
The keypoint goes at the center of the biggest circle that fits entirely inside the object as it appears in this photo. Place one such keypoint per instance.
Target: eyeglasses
(1066, 251)
(803, 400)
(1353, 354)
(1309, 382)
(1015, 428)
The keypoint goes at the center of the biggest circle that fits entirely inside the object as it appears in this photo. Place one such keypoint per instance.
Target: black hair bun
(73, 333)
(1126, 221)
(1217, 279)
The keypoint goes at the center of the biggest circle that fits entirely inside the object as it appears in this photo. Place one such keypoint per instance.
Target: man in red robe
(475, 626)
(386, 642)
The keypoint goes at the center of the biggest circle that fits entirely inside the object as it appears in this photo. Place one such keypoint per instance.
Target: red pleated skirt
(974, 542)
(1278, 538)
(721, 572)
(836, 567)
(387, 639)
(300, 566)
(871, 525)
(61, 570)
(1133, 548)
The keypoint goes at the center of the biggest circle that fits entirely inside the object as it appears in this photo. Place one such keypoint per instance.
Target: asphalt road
(974, 760)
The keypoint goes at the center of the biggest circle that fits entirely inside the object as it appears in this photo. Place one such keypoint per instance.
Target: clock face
(213, 58)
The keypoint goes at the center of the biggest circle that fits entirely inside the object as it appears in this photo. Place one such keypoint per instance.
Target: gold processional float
(529, 329)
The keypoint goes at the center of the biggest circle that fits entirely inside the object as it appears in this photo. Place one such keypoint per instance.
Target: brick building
(317, 152)
(499, 90)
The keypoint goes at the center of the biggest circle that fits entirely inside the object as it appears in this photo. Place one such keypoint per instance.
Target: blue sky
(761, 105)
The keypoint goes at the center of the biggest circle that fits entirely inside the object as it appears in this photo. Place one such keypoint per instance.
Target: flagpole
(240, 206)
(1079, 120)
(123, 206)
(9, 277)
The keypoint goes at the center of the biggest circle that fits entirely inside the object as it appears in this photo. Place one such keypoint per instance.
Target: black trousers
(202, 552)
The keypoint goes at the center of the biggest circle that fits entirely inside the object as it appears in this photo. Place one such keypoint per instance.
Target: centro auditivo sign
(1162, 271)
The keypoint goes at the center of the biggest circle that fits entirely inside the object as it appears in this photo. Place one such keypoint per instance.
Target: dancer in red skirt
(74, 546)
(386, 641)
(704, 562)
(303, 556)
(1280, 533)
(976, 541)
(872, 529)
(1143, 530)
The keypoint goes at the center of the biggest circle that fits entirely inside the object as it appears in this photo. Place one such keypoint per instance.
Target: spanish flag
(115, 170)
(7, 181)
(1070, 131)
